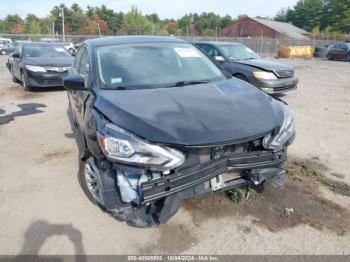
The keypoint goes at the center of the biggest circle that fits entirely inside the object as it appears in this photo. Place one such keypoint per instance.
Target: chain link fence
(263, 46)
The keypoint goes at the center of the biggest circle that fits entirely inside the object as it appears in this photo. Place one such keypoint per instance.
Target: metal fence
(263, 46)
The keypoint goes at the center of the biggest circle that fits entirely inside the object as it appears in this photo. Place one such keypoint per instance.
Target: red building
(257, 27)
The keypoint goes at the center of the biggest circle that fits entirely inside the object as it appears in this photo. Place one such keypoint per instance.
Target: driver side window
(81, 65)
(210, 50)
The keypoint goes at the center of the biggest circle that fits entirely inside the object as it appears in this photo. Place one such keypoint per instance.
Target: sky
(164, 8)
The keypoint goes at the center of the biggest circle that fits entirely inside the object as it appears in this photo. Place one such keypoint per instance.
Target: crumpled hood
(265, 64)
(49, 61)
(212, 113)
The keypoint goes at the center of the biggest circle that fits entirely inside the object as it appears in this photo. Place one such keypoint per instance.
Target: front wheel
(347, 57)
(89, 180)
(13, 78)
(25, 82)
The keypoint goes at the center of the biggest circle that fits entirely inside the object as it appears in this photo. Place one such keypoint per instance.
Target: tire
(3, 52)
(25, 83)
(347, 57)
(242, 77)
(13, 78)
(329, 57)
(88, 180)
(133, 216)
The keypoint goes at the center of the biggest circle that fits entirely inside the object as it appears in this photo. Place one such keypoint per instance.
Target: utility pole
(187, 31)
(99, 30)
(216, 34)
(53, 30)
(63, 33)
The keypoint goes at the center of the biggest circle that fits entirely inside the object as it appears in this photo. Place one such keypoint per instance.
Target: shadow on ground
(39, 231)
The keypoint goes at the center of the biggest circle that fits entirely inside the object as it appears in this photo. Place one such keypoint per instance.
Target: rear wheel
(25, 83)
(3, 52)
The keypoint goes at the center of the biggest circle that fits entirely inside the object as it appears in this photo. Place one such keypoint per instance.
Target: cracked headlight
(35, 68)
(120, 145)
(264, 75)
(285, 132)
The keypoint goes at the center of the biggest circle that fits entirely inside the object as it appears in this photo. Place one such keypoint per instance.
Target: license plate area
(222, 181)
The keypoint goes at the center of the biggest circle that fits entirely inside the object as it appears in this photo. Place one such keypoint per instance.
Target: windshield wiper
(187, 83)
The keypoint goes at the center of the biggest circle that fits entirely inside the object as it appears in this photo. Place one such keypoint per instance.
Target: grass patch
(237, 195)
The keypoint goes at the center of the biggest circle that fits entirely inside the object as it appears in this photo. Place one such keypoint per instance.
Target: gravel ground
(44, 211)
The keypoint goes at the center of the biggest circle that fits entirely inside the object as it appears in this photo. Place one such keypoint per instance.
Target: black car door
(78, 98)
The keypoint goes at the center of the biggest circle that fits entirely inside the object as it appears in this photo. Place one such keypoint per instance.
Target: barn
(257, 27)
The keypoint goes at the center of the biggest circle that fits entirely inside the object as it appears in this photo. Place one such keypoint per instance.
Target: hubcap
(3, 52)
(91, 174)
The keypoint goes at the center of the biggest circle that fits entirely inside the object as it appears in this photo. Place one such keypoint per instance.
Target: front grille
(211, 153)
(284, 73)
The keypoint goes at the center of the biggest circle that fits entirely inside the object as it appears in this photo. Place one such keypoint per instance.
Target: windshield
(45, 51)
(151, 65)
(238, 52)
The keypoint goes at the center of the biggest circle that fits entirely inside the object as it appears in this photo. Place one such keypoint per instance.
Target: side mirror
(15, 55)
(72, 52)
(219, 58)
(74, 82)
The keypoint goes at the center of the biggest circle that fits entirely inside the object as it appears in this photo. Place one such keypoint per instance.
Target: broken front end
(145, 183)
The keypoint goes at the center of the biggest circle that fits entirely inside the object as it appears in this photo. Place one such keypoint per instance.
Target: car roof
(116, 40)
(218, 43)
(39, 43)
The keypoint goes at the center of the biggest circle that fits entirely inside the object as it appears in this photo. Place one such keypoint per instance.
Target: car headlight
(35, 68)
(120, 145)
(285, 132)
(264, 75)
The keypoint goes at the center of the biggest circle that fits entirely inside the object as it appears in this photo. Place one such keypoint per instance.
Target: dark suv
(243, 63)
(157, 122)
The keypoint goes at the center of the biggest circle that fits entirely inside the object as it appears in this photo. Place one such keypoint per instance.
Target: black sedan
(157, 122)
(243, 63)
(39, 64)
(340, 51)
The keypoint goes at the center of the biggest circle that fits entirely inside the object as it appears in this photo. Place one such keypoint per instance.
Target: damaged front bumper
(160, 198)
(259, 166)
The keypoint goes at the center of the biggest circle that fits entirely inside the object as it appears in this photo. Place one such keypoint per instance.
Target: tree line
(95, 20)
(318, 16)
(321, 17)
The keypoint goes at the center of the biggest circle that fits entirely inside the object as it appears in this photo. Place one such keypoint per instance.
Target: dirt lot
(44, 211)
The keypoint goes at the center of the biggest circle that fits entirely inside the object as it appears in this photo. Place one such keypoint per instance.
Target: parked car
(70, 47)
(243, 63)
(6, 49)
(340, 51)
(157, 122)
(39, 64)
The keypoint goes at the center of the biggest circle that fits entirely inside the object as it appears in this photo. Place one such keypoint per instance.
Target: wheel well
(240, 76)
